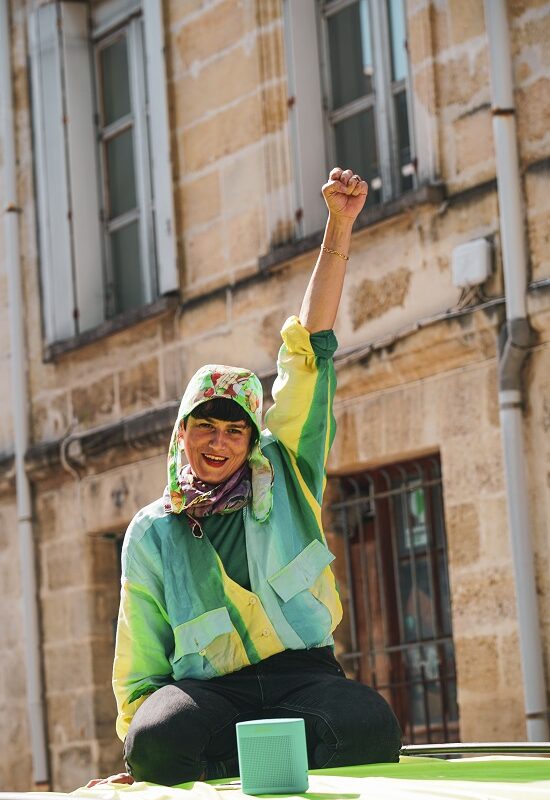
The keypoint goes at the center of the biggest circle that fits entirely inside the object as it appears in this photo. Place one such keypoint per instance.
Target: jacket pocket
(207, 646)
(302, 572)
(198, 633)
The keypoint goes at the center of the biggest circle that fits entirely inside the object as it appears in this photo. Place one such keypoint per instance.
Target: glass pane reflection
(398, 34)
(114, 81)
(402, 120)
(121, 174)
(125, 258)
(350, 66)
(356, 144)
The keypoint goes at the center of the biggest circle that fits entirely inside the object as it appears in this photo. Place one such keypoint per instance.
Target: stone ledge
(139, 433)
(430, 194)
(54, 351)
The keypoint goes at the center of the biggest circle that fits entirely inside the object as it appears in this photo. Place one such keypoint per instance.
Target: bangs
(221, 408)
(226, 410)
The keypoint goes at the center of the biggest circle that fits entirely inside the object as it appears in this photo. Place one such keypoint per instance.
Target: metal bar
(425, 703)
(380, 569)
(388, 493)
(434, 597)
(395, 552)
(365, 582)
(430, 549)
(351, 596)
(395, 648)
(476, 747)
(442, 689)
(408, 682)
(412, 559)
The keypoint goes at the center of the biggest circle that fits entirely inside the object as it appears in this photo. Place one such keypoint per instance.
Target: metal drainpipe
(515, 339)
(20, 420)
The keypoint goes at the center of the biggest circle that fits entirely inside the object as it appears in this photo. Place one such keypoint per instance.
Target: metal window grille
(397, 587)
(366, 95)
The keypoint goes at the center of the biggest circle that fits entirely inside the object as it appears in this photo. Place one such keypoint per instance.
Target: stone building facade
(417, 364)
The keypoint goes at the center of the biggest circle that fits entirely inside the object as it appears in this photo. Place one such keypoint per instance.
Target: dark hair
(225, 409)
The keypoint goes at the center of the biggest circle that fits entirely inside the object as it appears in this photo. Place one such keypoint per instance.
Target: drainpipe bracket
(538, 714)
(515, 339)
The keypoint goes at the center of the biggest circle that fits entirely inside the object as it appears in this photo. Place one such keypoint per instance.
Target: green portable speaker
(272, 756)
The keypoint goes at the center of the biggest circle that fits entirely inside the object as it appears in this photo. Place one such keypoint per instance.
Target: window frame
(373, 518)
(129, 27)
(381, 99)
(72, 256)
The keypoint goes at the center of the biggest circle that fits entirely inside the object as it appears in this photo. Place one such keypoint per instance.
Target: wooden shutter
(306, 113)
(66, 174)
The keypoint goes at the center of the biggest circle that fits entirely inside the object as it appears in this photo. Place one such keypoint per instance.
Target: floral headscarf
(244, 388)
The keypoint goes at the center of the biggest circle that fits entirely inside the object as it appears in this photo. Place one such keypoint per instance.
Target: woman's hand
(122, 777)
(345, 194)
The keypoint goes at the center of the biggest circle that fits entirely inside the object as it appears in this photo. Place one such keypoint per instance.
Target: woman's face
(216, 448)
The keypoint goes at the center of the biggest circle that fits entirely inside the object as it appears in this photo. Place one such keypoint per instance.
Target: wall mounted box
(472, 263)
(272, 756)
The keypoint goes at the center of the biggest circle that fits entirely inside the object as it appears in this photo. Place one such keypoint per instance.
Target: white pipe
(20, 419)
(514, 257)
(526, 596)
(514, 250)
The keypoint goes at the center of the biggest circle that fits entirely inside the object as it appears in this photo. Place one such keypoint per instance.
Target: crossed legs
(187, 729)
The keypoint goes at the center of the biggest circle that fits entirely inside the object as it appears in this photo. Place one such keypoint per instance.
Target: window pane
(356, 148)
(425, 692)
(404, 144)
(350, 54)
(398, 34)
(125, 258)
(417, 600)
(120, 173)
(114, 81)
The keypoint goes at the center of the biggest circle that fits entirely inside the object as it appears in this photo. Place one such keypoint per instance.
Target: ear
(181, 431)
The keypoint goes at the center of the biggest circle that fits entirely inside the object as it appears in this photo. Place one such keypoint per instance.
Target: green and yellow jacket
(181, 616)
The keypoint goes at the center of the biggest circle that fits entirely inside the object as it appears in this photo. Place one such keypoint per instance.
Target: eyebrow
(238, 423)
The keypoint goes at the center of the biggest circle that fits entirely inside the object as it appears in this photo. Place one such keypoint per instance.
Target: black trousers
(187, 729)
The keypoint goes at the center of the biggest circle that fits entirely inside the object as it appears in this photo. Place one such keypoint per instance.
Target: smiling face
(216, 448)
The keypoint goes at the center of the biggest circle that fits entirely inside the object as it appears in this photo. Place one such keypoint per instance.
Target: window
(364, 55)
(125, 178)
(105, 207)
(349, 84)
(399, 615)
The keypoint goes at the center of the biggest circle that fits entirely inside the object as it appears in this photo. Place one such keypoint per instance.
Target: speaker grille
(270, 761)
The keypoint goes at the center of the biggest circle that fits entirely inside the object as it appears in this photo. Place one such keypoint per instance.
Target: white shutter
(83, 171)
(160, 147)
(306, 114)
(51, 175)
(66, 175)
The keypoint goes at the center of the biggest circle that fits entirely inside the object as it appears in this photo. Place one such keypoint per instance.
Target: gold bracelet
(334, 252)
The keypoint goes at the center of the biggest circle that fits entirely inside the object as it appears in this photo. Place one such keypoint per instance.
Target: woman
(228, 601)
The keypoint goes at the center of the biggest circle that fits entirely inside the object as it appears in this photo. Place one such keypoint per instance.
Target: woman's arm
(345, 195)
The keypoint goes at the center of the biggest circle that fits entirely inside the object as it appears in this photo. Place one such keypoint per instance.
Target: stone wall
(413, 379)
